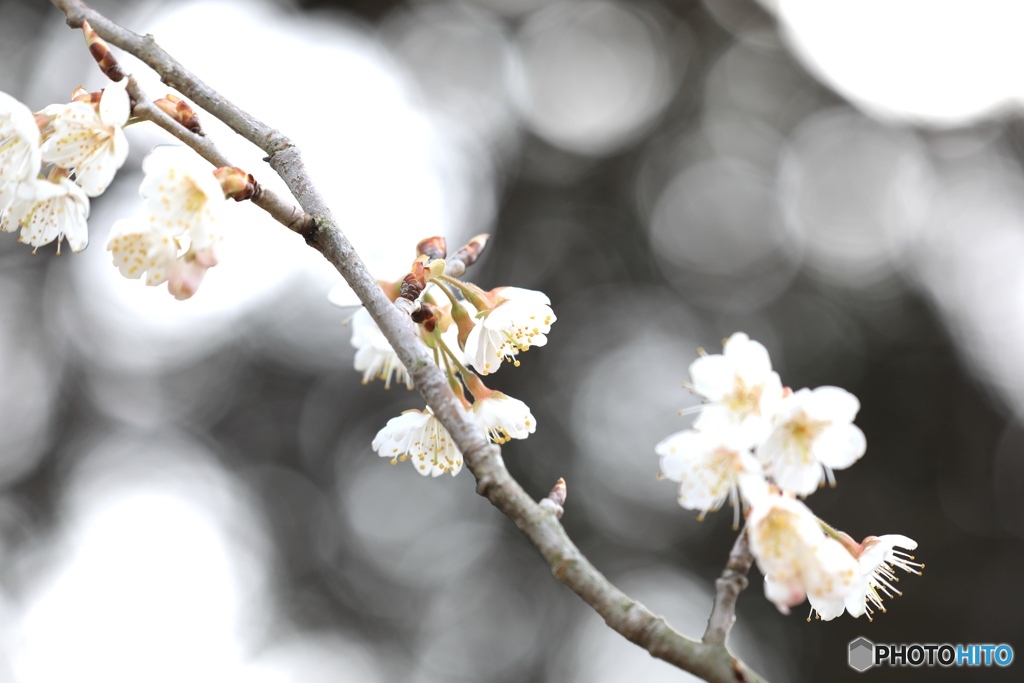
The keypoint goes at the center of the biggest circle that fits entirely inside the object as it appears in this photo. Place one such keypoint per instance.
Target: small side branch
(283, 212)
(727, 589)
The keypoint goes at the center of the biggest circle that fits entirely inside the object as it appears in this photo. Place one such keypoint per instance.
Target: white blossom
(505, 418)
(742, 391)
(708, 468)
(374, 356)
(173, 239)
(796, 557)
(521, 320)
(877, 561)
(20, 158)
(140, 249)
(418, 436)
(89, 139)
(813, 435)
(49, 210)
(182, 194)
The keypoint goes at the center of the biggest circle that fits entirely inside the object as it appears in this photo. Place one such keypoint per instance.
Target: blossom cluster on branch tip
(465, 327)
(759, 445)
(54, 160)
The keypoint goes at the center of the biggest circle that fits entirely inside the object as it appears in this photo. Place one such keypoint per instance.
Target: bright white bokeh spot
(410, 528)
(594, 74)
(152, 577)
(939, 62)
(461, 59)
(718, 216)
(858, 192)
(969, 263)
(718, 233)
(314, 658)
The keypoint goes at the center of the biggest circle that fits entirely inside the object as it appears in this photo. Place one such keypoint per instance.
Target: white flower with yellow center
(49, 210)
(374, 356)
(742, 392)
(708, 468)
(172, 240)
(505, 418)
(418, 436)
(813, 435)
(796, 557)
(89, 139)
(19, 147)
(878, 561)
(520, 321)
(182, 194)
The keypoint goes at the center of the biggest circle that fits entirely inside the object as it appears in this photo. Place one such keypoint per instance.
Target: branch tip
(728, 587)
(555, 501)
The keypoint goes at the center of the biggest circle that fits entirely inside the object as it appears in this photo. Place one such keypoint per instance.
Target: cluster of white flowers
(53, 161)
(83, 139)
(467, 328)
(760, 445)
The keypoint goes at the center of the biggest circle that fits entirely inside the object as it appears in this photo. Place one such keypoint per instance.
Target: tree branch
(540, 526)
(283, 212)
(727, 589)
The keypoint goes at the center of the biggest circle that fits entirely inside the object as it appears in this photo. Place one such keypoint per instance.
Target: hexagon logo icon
(862, 654)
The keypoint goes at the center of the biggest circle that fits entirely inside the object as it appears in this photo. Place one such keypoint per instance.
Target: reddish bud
(461, 317)
(426, 316)
(414, 283)
(236, 183)
(556, 499)
(101, 53)
(179, 110)
(471, 252)
(434, 247)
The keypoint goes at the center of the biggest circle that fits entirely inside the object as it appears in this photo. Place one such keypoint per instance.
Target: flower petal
(114, 104)
(833, 404)
(839, 446)
(748, 357)
(712, 377)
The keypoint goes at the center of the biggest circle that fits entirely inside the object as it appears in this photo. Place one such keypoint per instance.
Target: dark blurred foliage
(717, 205)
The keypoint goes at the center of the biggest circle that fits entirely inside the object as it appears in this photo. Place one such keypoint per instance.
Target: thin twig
(283, 212)
(541, 527)
(727, 589)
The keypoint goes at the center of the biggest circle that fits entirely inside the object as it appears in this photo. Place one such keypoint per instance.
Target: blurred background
(187, 490)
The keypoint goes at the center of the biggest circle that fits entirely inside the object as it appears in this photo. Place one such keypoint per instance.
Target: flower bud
(414, 283)
(434, 247)
(102, 54)
(471, 252)
(180, 110)
(435, 268)
(236, 183)
(426, 315)
(462, 318)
